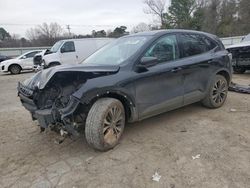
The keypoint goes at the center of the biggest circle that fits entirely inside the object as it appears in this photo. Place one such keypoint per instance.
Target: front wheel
(105, 124)
(217, 93)
(15, 69)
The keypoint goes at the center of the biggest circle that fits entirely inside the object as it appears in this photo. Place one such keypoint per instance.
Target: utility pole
(68, 28)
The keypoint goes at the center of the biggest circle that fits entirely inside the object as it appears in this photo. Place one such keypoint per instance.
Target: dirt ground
(163, 144)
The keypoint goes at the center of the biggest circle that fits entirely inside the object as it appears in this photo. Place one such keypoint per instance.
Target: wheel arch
(226, 74)
(54, 63)
(15, 65)
(128, 104)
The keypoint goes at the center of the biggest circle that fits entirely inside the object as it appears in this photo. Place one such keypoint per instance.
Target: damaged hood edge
(41, 78)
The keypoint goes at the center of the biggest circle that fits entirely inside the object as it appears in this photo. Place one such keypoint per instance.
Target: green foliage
(180, 14)
(118, 32)
(4, 34)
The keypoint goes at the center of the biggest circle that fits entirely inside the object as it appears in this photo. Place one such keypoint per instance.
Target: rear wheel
(105, 124)
(239, 70)
(15, 69)
(217, 93)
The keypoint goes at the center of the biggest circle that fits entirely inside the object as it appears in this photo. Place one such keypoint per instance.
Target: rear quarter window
(195, 44)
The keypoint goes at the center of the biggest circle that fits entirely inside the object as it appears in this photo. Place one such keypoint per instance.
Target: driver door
(68, 53)
(160, 87)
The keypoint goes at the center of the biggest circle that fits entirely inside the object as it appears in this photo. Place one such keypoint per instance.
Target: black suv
(133, 78)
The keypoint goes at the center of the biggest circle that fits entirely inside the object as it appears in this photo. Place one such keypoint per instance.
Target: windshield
(56, 46)
(246, 38)
(117, 51)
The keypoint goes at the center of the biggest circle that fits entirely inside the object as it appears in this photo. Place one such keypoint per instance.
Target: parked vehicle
(72, 51)
(241, 55)
(37, 59)
(3, 58)
(16, 65)
(132, 78)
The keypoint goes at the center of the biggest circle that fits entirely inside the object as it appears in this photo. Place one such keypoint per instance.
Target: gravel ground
(163, 144)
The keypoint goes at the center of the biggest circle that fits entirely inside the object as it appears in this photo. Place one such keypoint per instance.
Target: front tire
(217, 93)
(15, 69)
(105, 124)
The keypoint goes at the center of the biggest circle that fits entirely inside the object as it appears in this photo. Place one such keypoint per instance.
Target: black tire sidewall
(94, 123)
(15, 66)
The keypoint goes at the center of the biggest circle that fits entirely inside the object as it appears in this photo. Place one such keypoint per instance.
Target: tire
(102, 129)
(15, 69)
(217, 93)
(239, 70)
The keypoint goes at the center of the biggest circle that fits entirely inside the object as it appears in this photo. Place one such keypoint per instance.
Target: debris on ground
(233, 110)
(239, 88)
(196, 157)
(156, 177)
(89, 159)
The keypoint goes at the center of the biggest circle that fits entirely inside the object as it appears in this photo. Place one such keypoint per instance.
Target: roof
(162, 32)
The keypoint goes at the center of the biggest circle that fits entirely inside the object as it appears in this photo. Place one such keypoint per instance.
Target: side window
(68, 47)
(210, 44)
(193, 44)
(31, 54)
(165, 49)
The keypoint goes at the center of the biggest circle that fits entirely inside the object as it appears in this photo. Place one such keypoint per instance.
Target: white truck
(72, 51)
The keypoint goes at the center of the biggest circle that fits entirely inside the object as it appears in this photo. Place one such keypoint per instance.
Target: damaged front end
(48, 95)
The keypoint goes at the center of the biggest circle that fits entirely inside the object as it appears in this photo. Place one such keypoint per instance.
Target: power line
(72, 25)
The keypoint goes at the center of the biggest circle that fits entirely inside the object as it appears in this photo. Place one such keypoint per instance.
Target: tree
(118, 32)
(140, 28)
(180, 14)
(100, 33)
(227, 19)
(157, 8)
(243, 25)
(4, 34)
(45, 34)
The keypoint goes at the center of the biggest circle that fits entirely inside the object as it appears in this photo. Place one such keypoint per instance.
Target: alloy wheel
(219, 91)
(113, 125)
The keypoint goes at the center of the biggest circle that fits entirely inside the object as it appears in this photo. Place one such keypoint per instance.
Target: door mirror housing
(24, 57)
(148, 62)
(62, 49)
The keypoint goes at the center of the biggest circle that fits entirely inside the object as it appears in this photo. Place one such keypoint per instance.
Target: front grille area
(24, 90)
(3, 67)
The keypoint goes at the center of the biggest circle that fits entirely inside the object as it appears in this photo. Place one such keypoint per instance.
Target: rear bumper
(48, 117)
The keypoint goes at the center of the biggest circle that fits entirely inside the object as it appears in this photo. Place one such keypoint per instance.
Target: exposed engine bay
(53, 105)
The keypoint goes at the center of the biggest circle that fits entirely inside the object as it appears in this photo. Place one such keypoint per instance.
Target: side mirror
(148, 62)
(24, 57)
(62, 50)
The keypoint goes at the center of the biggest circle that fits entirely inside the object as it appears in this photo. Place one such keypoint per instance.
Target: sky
(83, 16)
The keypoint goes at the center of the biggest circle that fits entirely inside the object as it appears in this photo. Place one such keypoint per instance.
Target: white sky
(16, 16)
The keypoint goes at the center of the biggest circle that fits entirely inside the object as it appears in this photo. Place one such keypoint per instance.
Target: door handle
(177, 69)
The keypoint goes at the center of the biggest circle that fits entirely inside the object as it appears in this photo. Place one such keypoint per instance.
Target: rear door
(160, 87)
(197, 53)
(68, 53)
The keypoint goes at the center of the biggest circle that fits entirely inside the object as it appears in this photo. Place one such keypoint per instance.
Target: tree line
(220, 17)
(47, 34)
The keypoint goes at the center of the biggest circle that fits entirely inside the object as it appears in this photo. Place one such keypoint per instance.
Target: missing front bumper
(56, 118)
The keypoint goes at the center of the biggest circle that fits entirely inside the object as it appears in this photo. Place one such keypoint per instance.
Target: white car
(16, 65)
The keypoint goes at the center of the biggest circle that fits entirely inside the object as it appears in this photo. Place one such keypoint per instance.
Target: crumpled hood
(41, 78)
